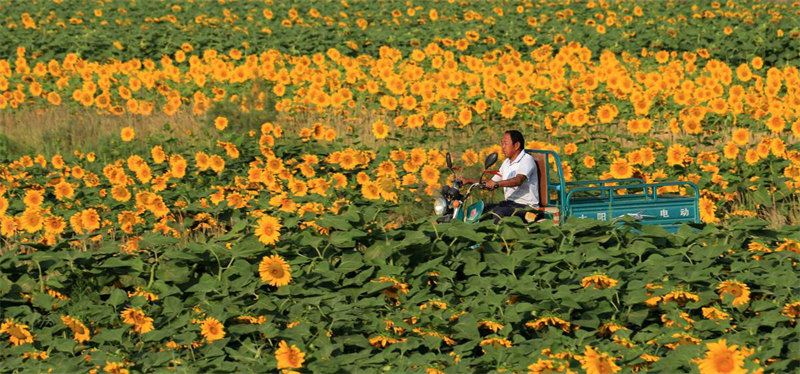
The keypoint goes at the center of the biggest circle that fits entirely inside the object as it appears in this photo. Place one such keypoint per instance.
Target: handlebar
(479, 185)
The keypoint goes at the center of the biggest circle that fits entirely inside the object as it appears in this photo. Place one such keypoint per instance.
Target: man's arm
(512, 182)
(525, 168)
(469, 180)
(495, 178)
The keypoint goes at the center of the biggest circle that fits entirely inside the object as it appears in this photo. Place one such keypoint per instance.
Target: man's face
(508, 146)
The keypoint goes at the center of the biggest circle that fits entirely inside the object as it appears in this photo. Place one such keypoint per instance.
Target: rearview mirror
(490, 160)
(449, 160)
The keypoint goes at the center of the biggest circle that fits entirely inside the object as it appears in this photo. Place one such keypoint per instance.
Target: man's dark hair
(516, 137)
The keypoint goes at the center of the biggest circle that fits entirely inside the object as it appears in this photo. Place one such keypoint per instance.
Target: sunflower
(54, 98)
(776, 124)
(792, 310)
(63, 190)
(635, 127)
(18, 332)
(141, 323)
(216, 163)
(236, 201)
(127, 134)
(297, 187)
(763, 147)
(348, 161)
(714, 313)
(469, 157)
(386, 186)
(149, 296)
(635, 157)
(743, 73)
(78, 328)
(39, 356)
(371, 190)
(212, 329)
(275, 271)
(589, 162)
(430, 175)
(609, 328)
(692, 126)
(115, 368)
(33, 198)
(465, 116)
(757, 63)
(730, 150)
(777, 147)
(90, 220)
(598, 282)
(480, 106)
(721, 358)
(389, 102)
(289, 357)
(491, 325)
(543, 322)
(120, 193)
(686, 323)
(409, 179)
(220, 123)
(796, 128)
(543, 366)
(496, 342)
(201, 161)
(606, 113)
(597, 363)
(381, 341)
(32, 220)
(681, 297)
(676, 155)
(708, 210)
(268, 229)
(177, 165)
(789, 245)
(621, 169)
(738, 290)
(719, 106)
(648, 156)
(439, 120)
(751, 156)
(54, 225)
(386, 168)
(144, 174)
(339, 180)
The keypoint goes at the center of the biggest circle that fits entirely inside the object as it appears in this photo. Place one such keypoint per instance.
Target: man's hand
(490, 184)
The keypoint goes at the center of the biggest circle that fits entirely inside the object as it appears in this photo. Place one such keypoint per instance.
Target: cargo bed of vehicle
(610, 199)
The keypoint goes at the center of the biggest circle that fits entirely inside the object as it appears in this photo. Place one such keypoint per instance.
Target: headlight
(439, 205)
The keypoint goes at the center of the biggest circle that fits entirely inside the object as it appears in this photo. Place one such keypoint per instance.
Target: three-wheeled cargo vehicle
(603, 200)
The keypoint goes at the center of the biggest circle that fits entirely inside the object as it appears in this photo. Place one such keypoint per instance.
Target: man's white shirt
(528, 192)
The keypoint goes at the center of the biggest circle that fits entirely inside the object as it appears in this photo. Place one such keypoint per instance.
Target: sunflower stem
(41, 281)
(219, 265)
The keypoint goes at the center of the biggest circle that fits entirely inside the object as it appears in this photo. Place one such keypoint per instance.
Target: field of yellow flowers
(288, 226)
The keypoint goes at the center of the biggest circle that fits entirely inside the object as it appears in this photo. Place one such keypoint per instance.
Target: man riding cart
(517, 176)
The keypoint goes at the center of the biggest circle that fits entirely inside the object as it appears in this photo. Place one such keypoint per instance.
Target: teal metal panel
(474, 211)
(641, 200)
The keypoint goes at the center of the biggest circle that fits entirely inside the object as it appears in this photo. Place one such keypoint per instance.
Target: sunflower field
(247, 186)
